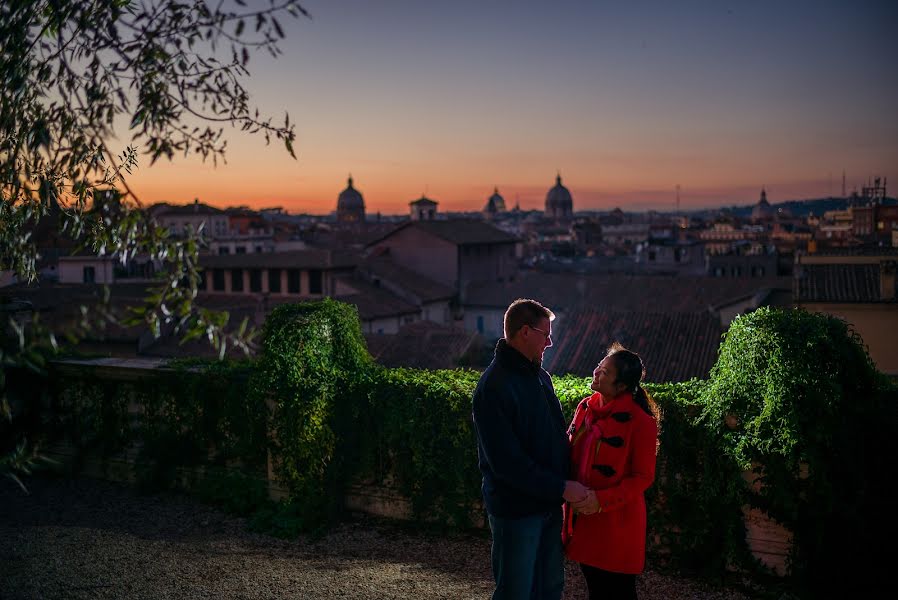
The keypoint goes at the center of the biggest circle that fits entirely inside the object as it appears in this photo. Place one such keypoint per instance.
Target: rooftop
(294, 259)
(674, 346)
(841, 283)
(458, 231)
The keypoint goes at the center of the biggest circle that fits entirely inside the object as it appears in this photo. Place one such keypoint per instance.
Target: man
(523, 452)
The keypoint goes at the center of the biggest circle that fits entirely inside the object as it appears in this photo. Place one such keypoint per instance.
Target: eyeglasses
(548, 334)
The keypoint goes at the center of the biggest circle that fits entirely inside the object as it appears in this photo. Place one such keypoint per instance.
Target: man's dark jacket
(522, 442)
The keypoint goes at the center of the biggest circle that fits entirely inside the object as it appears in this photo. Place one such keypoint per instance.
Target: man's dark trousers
(528, 559)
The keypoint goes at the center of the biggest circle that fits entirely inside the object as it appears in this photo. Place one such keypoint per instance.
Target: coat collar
(600, 407)
(510, 358)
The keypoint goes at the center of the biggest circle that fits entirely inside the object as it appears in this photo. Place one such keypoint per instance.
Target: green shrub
(814, 420)
(420, 431)
(313, 360)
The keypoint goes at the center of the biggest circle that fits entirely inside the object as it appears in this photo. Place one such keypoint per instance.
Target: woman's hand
(589, 505)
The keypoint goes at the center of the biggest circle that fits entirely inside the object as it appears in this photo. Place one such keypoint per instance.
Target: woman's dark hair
(630, 371)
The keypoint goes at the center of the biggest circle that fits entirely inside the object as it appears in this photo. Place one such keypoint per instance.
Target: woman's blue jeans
(527, 556)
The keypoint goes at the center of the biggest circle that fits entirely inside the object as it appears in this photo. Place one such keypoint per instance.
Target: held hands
(589, 506)
(575, 492)
(582, 499)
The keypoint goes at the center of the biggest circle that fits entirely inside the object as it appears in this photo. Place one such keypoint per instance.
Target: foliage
(74, 74)
(571, 389)
(418, 431)
(813, 420)
(790, 388)
(236, 492)
(695, 517)
(313, 357)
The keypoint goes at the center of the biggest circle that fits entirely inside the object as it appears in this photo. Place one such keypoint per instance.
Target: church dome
(350, 199)
(559, 203)
(762, 210)
(495, 203)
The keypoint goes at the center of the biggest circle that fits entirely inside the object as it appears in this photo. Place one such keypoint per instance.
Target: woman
(613, 440)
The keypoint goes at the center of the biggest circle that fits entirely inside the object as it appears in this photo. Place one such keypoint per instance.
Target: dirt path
(84, 538)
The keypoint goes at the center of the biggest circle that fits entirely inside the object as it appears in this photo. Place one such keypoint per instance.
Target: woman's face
(604, 378)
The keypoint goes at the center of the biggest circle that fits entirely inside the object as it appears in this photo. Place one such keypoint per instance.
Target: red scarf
(588, 435)
(585, 440)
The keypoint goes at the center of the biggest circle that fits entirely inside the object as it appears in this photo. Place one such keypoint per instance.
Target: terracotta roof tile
(458, 231)
(421, 345)
(839, 283)
(674, 346)
(646, 293)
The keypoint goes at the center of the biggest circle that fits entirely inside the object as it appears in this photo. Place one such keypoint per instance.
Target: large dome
(762, 210)
(495, 203)
(559, 202)
(350, 199)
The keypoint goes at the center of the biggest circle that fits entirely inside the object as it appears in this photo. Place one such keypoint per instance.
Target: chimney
(887, 280)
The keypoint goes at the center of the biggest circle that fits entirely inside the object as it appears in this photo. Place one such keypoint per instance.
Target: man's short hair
(524, 311)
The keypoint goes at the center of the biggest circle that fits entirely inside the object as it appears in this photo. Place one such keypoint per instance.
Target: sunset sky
(625, 99)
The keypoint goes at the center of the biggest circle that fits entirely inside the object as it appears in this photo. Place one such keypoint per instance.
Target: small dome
(762, 210)
(559, 202)
(350, 198)
(495, 203)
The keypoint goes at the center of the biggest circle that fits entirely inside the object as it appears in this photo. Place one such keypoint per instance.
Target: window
(479, 323)
(274, 281)
(293, 281)
(201, 284)
(240, 250)
(315, 286)
(236, 280)
(222, 250)
(90, 275)
(218, 283)
(651, 255)
(255, 280)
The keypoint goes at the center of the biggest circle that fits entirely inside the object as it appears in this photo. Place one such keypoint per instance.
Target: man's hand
(575, 492)
(589, 505)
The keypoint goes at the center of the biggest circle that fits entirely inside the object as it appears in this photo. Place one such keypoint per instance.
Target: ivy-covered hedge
(793, 392)
(192, 414)
(311, 373)
(795, 397)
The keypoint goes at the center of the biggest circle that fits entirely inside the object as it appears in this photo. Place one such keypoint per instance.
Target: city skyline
(626, 102)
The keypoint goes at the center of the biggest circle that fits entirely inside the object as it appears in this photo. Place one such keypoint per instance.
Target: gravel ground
(85, 538)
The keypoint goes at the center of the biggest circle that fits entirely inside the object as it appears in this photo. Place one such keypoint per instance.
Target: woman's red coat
(613, 539)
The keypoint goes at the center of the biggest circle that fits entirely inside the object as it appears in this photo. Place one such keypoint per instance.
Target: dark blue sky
(626, 99)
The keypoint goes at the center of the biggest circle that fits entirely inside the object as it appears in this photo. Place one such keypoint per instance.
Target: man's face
(538, 338)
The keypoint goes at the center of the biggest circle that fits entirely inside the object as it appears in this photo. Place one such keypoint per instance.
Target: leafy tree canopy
(75, 73)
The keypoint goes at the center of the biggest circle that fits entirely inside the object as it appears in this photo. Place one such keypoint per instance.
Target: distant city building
(667, 255)
(423, 209)
(858, 286)
(742, 265)
(307, 273)
(178, 219)
(452, 252)
(350, 205)
(762, 211)
(559, 203)
(495, 204)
